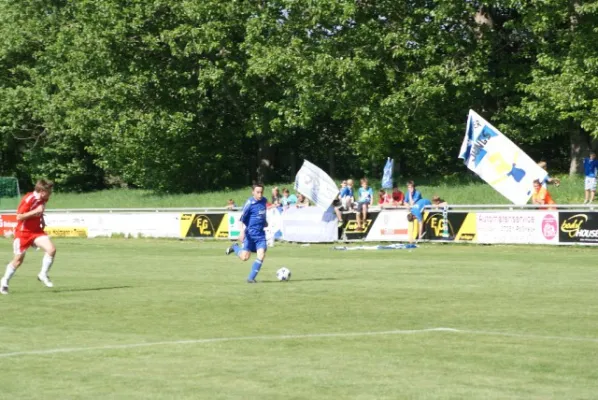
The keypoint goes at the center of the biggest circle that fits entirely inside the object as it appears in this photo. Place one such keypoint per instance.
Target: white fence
(487, 224)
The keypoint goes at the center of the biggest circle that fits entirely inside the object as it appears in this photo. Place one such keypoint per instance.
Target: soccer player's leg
(43, 242)
(20, 246)
(261, 246)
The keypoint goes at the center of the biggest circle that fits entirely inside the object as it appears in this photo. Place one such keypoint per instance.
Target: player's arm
(36, 212)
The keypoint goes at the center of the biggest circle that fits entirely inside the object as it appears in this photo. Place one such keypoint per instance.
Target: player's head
(363, 182)
(542, 164)
(537, 184)
(350, 182)
(410, 186)
(592, 156)
(410, 217)
(343, 183)
(258, 191)
(44, 188)
(436, 200)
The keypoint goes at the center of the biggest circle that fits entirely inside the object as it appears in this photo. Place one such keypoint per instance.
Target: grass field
(156, 319)
(455, 191)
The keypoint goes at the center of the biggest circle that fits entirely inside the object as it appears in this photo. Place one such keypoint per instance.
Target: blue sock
(255, 268)
(236, 249)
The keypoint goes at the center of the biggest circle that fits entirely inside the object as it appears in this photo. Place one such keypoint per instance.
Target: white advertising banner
(498, 161)
(391, 225)
(518, 227)
(316, 185)
(309, 225)
(234, 224)
(135, 224)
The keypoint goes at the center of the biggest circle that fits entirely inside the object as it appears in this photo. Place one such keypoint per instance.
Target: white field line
(296, 337)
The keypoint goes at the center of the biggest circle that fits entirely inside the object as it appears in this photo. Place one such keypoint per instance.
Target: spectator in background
(231, 204)
(438, 202)
(413, 195)
(276, 197)
(384, 199)
(541, 196)
(590, 165)
(548, 179)
(302, 201)
(346, 194)
(287, 199)
(365, 198)
(398, 197)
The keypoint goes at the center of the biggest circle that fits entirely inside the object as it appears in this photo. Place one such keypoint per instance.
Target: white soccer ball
(283, 274)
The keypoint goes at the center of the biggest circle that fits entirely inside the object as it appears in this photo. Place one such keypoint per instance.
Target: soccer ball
(283, 274)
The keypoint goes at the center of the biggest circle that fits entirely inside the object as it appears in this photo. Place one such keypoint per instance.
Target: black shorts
(336, 203)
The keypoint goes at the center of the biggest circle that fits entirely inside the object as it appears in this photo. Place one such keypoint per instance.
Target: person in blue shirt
(417, 213)
(413, 195)
(253, 237)
(346, 194)
(365, 195)
(287, 199)
(590, 165)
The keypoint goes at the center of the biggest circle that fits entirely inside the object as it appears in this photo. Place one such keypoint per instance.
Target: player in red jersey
(30, 232)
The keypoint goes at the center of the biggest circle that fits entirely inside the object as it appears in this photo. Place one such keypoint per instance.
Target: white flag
(316, 185)
(498, 161)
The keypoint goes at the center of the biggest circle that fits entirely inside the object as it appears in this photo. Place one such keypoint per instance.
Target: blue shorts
(253, 243)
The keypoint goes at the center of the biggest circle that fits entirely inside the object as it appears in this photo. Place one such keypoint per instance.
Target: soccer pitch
(156, 319)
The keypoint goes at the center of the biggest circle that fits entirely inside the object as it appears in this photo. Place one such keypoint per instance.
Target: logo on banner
(550, 227)
(204, 226)
(576, 226)
(8, 224)
(437, 222)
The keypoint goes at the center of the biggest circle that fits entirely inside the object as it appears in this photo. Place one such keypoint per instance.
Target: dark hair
(43, 185)
(285, 190)
(410, 217)
(256, 185)
(411, 183)
(536, 181)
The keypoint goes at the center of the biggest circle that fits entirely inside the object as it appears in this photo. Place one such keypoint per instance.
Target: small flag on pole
(387, 174)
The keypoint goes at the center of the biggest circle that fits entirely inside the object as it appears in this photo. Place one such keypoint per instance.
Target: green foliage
(180, 96)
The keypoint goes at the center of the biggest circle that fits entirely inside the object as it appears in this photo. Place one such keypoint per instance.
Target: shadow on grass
(300, 280)
(90, 289)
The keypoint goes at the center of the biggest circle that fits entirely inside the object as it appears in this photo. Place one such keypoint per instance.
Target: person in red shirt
(398, 197)
(30, 232)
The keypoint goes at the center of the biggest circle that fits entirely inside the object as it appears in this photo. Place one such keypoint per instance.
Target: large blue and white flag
(316, 185)
(387, 174)
(498, 161)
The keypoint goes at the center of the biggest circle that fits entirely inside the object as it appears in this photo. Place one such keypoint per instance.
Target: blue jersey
(589, 167)
(417, 196)
(346, 192)
(365, 195)
(418, 208)
(254, 217)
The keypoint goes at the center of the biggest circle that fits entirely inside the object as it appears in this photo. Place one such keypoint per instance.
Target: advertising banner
(578, 227)
(309, 225)
(349, 229)
(390, 225)
(205, 225)
(65, 231)
(234, 224)
(518, 227)
(8, 223)
(454, 226)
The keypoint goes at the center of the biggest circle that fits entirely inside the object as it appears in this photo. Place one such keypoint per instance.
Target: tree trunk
(293, 163)
(265, 161)
(331, 163)
(578, 149)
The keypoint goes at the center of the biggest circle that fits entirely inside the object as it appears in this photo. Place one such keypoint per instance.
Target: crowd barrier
(473, 224)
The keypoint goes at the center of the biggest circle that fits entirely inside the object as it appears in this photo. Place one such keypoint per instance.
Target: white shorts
(590, 183)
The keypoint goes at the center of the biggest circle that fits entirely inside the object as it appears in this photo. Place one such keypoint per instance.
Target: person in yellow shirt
(541, 196)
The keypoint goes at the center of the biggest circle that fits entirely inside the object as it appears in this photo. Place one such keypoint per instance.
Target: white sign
(498, 161)
(234, 224)
(316, 185)
(391, 225)
(309, 225)
(521, 227)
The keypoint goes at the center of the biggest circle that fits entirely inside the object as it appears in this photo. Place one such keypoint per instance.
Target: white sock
(46, 264)
(10, 271)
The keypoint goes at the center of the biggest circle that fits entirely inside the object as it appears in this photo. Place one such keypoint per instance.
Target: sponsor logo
(204, 225)
(352, 226)
(439, 224)
(467, 236)
(550, 227)
(572, 227)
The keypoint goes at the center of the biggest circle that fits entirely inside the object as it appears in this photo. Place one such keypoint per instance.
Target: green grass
(454, 191)
(111, 292)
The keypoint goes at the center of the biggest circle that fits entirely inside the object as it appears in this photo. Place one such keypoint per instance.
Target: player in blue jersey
(417, 213)
(413, 195)
(253, 237)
